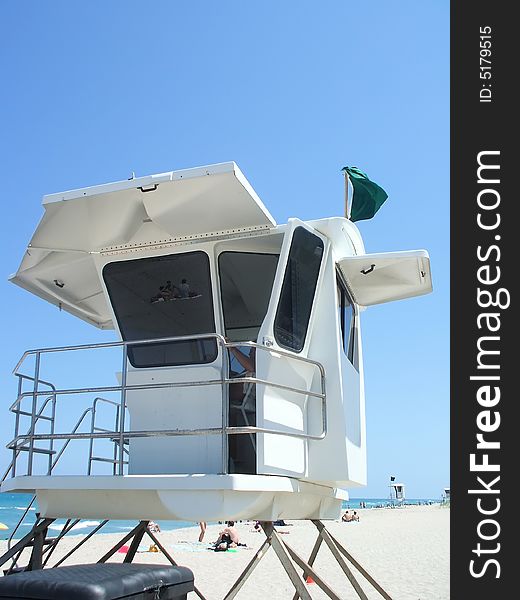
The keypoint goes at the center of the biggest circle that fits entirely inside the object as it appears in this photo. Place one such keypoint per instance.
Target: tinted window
(298, 289)
(164, 296)
(346, 318)
(246, 282)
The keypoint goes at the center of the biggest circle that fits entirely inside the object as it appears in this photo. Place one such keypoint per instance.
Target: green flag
(368, 196)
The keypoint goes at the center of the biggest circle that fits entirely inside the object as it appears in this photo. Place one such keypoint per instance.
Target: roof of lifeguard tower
(82, 227)
(153, 211)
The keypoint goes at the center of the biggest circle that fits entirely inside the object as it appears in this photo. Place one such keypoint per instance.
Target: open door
(287, 327)
(384, 277)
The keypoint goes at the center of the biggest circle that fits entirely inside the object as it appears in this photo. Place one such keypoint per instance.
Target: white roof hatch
(202, 202)
(384, 277)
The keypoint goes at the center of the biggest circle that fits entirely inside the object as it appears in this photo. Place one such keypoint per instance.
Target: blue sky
(291, 91)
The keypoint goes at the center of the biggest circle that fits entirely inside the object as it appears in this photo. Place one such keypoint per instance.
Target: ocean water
(12, 507)
(385, 502)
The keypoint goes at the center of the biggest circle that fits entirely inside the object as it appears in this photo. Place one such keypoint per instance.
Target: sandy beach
(406, 550)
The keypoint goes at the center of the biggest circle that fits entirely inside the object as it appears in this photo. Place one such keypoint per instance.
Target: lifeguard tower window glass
(246, 282)
(346, 317)
(298, 290)
(164, 296)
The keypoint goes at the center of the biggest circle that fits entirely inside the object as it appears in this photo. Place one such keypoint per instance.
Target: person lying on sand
(228, 538)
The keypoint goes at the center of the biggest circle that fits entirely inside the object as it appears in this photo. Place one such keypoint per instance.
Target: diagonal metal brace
(33, 537)
(337, 550)
(272, 540)
(248, 570)
(308, 569)
(311, 560)
(170, 559)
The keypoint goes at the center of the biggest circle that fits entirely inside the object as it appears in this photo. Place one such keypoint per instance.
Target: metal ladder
(51, 451)
(36, 417)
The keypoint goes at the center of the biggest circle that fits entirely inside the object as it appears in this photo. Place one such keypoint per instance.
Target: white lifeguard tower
(190, 268)
(397, 492)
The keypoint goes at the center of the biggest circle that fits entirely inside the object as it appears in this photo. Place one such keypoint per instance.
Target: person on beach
(154, 527)
(202, 525)
(228, 537)
(347, 518)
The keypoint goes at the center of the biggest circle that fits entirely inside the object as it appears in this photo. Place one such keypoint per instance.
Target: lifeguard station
(397, 494)
(238, 392)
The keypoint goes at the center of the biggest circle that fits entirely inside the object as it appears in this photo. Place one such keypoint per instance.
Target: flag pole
(346, 196)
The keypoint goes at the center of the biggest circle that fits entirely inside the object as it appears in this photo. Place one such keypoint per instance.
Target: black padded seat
(106, 581)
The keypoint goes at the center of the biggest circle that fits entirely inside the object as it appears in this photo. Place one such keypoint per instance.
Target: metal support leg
(39, 527)
(273, 540)
(336, 548)
(116, 547)
(52, 546)
(247, 571)
(311, 560)
(80, 543)
(170, 559)
(143, 526)
(36, 560)
(14, 563)
(308, 569)
(284, 558)
(324, 534)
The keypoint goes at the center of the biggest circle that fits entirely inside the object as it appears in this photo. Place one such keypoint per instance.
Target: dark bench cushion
(99, 582)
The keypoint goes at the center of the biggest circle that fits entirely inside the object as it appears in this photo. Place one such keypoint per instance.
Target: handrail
(42, 381)
(152, 386)
(9, 541)
(17, 410)
(76, 427)
(161, 433)
(93, 429)
(38, 416)
(50, 471)
(180, 338)
(119, 432)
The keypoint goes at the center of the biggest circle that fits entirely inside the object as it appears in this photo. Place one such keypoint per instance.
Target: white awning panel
(203, 202)
(384, 277)
(192, 202)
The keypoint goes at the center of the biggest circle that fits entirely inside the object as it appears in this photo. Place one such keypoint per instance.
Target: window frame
(300, 348)
(351, 353)
(134, 343)
(224, 328)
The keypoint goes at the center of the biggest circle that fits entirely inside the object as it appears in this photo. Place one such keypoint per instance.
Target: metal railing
(95, 428)
(16, 409)
(119, 436)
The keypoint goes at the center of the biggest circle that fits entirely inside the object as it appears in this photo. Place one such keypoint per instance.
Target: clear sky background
(291, 91)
